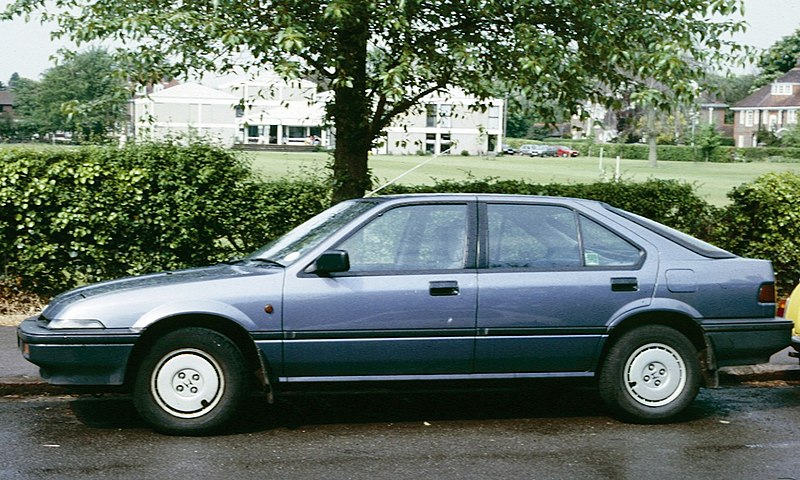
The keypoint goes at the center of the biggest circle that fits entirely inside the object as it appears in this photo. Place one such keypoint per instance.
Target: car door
(551, 280)
(406, 306)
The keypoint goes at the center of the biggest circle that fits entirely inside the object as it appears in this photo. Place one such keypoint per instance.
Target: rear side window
(602, 247)
(549, 237)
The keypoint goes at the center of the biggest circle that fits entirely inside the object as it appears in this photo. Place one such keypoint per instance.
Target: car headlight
(75, 323)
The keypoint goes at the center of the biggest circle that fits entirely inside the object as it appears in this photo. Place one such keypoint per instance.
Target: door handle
(443, 288)
(625, 284)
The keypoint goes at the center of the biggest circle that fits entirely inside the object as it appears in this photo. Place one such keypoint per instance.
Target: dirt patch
(17, 304)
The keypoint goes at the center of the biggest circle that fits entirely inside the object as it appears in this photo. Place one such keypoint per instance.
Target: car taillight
(766, 293)
(780, 309)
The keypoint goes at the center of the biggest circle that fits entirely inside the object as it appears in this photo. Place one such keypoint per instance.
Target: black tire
(650, 375)
(190, 382)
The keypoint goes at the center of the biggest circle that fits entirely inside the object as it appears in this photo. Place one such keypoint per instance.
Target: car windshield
(288, 248)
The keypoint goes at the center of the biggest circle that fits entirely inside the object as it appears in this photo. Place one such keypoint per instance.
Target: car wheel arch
(232, 330)
(680, 322)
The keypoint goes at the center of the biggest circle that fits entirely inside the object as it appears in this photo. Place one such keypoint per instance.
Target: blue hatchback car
(423, 287)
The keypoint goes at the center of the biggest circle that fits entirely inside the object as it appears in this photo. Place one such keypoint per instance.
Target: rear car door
(551, 280)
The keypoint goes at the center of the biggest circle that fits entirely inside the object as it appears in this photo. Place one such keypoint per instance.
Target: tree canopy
(380, 58)
(83, 95)
(778, 59)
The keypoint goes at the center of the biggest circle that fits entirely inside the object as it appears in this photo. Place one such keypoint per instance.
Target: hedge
(685, 153)
(763, 221)
(676, 153)
(73, 216)
(669, 202)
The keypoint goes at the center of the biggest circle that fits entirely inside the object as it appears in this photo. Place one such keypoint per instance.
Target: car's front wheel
(650, 374)
(190, 382)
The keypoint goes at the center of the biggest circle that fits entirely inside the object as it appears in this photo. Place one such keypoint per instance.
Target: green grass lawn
(712, 180)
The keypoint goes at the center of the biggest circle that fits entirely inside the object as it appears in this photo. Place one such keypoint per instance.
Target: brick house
(6, 102)
(773, 107)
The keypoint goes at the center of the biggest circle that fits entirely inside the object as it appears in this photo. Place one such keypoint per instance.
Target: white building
(447, 124)
(186, 110)
(271, 111)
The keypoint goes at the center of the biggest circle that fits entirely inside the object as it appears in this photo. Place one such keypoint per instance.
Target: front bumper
(76, 357)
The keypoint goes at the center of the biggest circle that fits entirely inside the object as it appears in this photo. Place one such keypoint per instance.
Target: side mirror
(330, 262)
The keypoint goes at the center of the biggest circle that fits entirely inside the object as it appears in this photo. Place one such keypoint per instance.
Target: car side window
(602, 247)
(416, 237)
(532, 236)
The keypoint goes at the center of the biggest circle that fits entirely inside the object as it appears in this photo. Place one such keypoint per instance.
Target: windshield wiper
(264, 260)
(239, 261)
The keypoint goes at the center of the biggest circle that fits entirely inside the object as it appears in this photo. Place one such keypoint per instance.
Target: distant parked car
(537, 150)
(563, 151)
(526, 149)
(791, 311)
(508, 150)
(422, 288)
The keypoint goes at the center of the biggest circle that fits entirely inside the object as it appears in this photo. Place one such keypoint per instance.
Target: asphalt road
(547, 431)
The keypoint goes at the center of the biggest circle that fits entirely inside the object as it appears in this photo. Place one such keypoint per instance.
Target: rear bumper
(796, 346)
(748, 342)
(76, 357)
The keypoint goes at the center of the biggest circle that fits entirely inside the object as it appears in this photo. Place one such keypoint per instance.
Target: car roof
(485, 197)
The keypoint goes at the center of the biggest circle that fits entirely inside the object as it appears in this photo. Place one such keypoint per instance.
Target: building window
(239, 110)
(445, 115)
(430, 143)
(748, 118)
(781, 89)
(430, 115)
(438, 115)
(445, 143)
(494, 117)
(791, 116)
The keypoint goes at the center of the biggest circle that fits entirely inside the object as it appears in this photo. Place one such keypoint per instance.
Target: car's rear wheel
(190, 382)
(650, 375)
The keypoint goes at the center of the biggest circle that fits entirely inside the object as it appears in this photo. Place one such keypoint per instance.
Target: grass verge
(713, 181)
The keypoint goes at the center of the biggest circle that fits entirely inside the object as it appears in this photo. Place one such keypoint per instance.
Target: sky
(26, 48)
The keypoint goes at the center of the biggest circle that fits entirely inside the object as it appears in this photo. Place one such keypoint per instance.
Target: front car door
(405, 308)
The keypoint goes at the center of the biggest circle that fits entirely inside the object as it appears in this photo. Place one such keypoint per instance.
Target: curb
(758, 373)
(29, 386)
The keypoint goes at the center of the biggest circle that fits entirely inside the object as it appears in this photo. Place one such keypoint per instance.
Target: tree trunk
(351, 109)
(652, 137)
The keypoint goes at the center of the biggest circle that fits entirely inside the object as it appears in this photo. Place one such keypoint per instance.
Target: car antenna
(390, 182)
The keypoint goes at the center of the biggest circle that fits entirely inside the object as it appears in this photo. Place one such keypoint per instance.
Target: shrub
(763, 221)
(72, 216)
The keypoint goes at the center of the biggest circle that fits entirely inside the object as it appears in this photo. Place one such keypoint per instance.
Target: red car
(566, 152)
